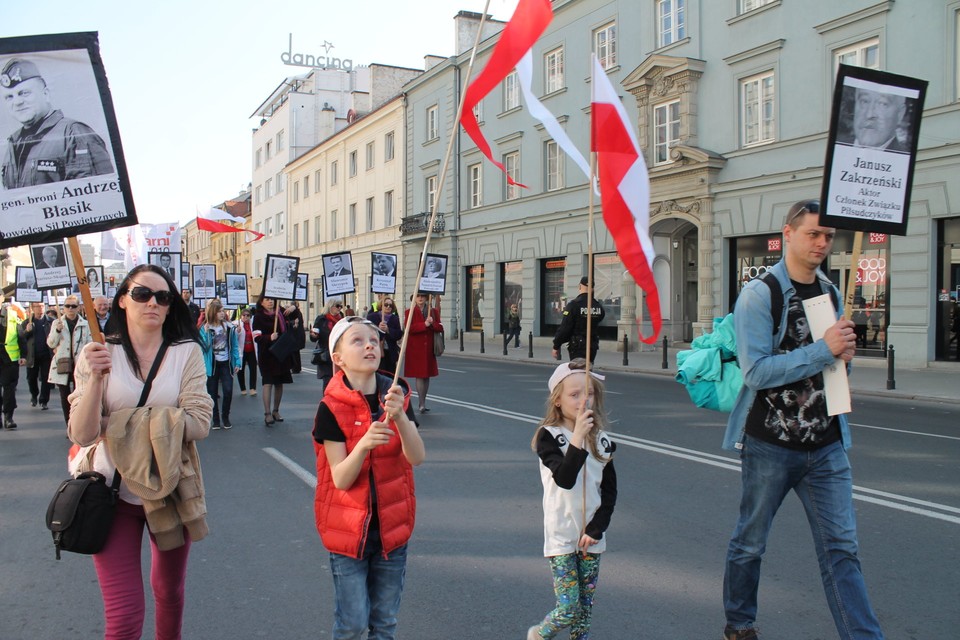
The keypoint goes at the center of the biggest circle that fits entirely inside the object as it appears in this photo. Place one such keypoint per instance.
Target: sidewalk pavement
(940, 382)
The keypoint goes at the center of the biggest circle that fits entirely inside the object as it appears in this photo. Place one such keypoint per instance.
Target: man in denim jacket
(786, 439)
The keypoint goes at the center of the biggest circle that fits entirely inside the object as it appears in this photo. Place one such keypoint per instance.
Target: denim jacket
(762, 364)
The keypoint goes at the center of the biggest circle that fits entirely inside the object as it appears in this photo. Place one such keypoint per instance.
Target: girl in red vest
(365, 504)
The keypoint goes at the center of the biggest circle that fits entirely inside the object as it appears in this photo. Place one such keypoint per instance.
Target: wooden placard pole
(88, 307)
(848, 296)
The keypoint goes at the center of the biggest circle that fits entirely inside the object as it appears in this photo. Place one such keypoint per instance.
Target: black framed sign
(185, 276)
(280, 277)
(27, 286)
(204, 281)
(300, 292)
(73, 178)
(50, 265)
(236, 289)
(871, 151)
(434, 278)
(338, 273)
(169, 261)
(95, 280)
(384, 270)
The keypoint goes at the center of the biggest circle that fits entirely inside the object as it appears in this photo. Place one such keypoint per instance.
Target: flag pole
(436, 199)
(589, 381)
(848, 297)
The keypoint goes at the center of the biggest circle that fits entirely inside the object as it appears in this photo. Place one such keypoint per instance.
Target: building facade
(731, 103)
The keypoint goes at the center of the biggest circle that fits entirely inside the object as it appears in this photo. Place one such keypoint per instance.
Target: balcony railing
(417, 223)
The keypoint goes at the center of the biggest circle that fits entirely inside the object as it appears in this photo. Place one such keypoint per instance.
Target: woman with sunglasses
(320, 333)
(68, 335)
(273, 373)
(148, 313)
(388, 322)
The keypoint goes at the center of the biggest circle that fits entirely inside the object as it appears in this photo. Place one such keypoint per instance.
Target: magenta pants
(121, 580)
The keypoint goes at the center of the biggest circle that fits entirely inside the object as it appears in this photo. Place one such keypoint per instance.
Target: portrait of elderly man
(49, 258)
(48, 147)
(876, 117)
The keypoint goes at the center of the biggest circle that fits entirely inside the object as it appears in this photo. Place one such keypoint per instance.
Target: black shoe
(8, 423)
(33, 401)
(43, 406)
(226, 424)
(729, 633)
(215, 426)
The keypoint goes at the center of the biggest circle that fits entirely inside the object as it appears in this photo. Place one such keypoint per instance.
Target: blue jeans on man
(368, 591)
(823, 481)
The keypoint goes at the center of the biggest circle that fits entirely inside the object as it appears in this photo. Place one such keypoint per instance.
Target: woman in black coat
(274, 373)
(320, 333)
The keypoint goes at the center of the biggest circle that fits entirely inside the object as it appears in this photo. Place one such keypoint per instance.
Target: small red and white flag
(624, 189)
(208, 222)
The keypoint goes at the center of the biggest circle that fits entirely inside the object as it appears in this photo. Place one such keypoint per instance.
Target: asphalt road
(475, 568)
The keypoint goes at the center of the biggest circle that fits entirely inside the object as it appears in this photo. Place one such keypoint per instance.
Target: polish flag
(208, 222)
(624, 189)
(219, 214)
(530, 19)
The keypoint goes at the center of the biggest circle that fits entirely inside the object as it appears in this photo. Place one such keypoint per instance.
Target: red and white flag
(219, 214)
(624, 189)
(208, 222)
(529, 21)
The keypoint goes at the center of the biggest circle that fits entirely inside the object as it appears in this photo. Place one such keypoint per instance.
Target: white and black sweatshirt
(561, 471)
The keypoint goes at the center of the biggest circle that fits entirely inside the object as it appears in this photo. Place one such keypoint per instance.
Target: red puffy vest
(343, 516)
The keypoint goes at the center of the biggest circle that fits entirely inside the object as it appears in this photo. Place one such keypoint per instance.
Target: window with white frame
(352, 219)
(388, 150)
(333, 173)
(306, 186)
(750, 5)
(862, 54)
(268, 148)
(553, 163)
(369, 212)
(268, 188)
(370, 158)
(666, 125)
(317, 230)
(280, 141)
(475, 173)
(431, 192)
(333, 224)
(258, 227)
(257, 266)
(478, 112)
(671, 22)
(316, 181)
(352, 164)
(268, 226)
(605, 45)
(258, 198)
(259, 156)
(281, 222)
(296, 236)
(511, 162)
(296, 192)
(553, 70)
(433, 122)
(511, 91)
(757, 109)
(280, 183)
(306, 233)
(388, 209)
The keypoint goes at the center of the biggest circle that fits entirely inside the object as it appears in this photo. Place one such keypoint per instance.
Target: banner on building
(871, 151)
(69, 176)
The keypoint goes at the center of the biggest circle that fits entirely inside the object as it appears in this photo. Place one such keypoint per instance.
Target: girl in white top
(579, 494)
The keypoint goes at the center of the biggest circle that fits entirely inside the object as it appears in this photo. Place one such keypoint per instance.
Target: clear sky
(185, 76)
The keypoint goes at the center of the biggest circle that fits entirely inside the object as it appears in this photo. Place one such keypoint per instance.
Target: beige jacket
(149, 451)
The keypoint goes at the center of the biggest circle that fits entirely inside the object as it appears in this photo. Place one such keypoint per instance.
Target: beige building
(345, 195)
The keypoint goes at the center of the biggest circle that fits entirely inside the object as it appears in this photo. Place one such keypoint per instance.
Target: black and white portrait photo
(301, 290)
(204, 281)
(27, 285)
(168, 261)
(60, 155)
(236, 289)
(434, 278)
(94, 276)
(185, 274)
(384, 269)
(871, 150)
(222, 290)
(338, 273)
(280, 277)
(50, 265)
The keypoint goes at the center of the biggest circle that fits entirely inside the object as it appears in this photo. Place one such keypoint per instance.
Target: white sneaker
(244, 392)
(253, 392)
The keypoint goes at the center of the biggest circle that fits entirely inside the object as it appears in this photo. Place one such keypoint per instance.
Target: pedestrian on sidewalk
(786, 439)
(365, 504)
(248, 352)
(579, 495)
(35, 332)
(573, 327)
(512, 324)
(221, 356)
(68, 335)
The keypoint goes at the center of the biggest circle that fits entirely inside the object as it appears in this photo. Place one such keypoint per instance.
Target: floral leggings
(574, 583)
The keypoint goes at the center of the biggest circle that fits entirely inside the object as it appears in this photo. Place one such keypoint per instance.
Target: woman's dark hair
(178, 326)
(259, 304)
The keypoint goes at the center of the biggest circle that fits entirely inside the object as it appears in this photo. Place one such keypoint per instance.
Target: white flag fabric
(219, 214)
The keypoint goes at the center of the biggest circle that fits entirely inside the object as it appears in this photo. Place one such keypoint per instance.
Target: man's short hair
(794, 216)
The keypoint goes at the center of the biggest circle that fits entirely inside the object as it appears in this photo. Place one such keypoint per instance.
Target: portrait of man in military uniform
(48, 146)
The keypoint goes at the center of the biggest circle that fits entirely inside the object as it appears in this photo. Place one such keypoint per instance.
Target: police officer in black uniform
(48, 147)
(573, 327)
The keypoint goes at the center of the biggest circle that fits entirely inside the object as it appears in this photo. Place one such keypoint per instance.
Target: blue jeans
(223, 378)
(823, 481)
(368, 592)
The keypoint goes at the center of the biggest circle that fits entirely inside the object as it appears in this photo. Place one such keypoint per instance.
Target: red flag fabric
(217, 227)
(529, 21)
(624, 189)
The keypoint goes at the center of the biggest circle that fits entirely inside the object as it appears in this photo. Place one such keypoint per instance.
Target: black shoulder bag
(81, 512)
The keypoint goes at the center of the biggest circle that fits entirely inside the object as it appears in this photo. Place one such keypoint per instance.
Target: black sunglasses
(810, 206)
(143, 295)
(71, 306)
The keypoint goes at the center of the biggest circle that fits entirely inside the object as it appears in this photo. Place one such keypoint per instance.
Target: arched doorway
(676, 271)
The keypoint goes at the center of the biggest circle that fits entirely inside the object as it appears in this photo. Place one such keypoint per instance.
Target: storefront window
(752, 256)
(511, 286)
(554, 298)
(948, 286)
(475, 305)
(608, 289)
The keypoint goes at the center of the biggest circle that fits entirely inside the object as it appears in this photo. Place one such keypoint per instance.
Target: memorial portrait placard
(237, 289)
(338, 273)
(204, 281)
(434, 280)
(871, 150)
(50, 265)
(280, 277)
(384, 269)
(169, 261)
(73, 178)
(27, 285)
(300, 293)
(185, 276)
(94, 275)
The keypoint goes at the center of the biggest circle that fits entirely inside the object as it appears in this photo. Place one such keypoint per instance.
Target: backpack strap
(776, 298)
